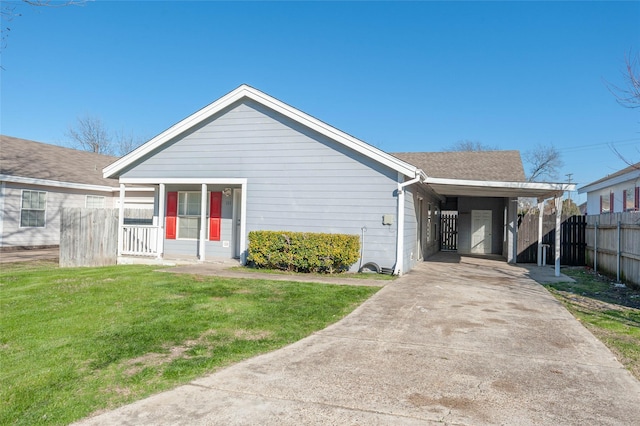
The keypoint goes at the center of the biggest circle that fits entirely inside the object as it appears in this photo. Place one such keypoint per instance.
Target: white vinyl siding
(33, 209)
(297, 180)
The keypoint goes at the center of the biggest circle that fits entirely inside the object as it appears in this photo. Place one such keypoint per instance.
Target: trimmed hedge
(303, 251)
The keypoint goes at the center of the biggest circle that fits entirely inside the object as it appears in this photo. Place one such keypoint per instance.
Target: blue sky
(403, 76)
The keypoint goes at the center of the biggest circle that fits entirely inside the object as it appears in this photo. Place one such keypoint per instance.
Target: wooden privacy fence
(89, 237)
(613, 245)
(572, 239)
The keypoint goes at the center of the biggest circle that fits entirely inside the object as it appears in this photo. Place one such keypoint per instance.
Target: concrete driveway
(457, 341)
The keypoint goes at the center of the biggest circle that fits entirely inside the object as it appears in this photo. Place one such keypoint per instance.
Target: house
(251, 162)
(618, 192)
(37, 179)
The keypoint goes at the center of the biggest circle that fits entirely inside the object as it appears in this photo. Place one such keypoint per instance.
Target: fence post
(595, 248)
(618, 253)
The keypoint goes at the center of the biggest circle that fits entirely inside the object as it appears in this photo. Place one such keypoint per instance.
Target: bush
(303, 251)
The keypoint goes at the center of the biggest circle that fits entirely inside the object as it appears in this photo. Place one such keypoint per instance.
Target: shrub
(303, 251)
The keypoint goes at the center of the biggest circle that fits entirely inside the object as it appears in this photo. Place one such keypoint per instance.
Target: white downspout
(400, 237)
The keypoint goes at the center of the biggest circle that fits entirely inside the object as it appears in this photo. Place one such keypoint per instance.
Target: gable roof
(505, 166)
(245, 91)
(27, 161)
(614, 178)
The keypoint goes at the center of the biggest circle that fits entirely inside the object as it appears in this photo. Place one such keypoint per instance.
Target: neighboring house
(251, 162)
(37, 179)
(618, 192)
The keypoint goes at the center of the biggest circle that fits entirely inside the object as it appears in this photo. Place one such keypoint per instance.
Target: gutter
(420, 175)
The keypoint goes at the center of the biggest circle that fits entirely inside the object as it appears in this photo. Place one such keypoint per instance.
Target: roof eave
(526, 189)
(613, 180)
(55, 183)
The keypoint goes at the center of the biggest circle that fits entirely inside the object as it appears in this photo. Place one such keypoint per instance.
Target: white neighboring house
(618, 192)
(37, 180)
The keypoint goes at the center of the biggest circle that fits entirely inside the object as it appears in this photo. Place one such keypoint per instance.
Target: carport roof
(479, 174)
(473, 165)
(483, 188)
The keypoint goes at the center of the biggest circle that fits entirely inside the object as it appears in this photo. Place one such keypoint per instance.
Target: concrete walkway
(457, 341)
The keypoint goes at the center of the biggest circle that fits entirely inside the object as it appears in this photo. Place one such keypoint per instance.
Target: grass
(76, 341)
(610, 312)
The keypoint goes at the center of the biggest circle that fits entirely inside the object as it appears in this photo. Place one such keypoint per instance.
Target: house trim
(611, 181)
(538, 189)
(185, 181)
(55, 183)
(245, 91)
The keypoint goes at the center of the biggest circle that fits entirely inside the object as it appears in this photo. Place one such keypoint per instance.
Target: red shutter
(624, 200)
(611, 202)
(215, 211)
(601, 204)
(637, 205)
(172, 213)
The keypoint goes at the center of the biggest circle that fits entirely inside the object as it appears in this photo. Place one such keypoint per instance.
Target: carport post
(540, 217)
(557, 242)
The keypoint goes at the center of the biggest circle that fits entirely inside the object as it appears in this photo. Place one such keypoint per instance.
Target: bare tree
(126, 142)
(9, 11)
(469, 145)
(90, 134)
(629, 95)
(544, 161)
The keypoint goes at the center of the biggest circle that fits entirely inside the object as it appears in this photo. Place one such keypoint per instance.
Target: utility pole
(569, 175)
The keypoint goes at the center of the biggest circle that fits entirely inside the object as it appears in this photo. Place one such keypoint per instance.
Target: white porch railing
(140, 240)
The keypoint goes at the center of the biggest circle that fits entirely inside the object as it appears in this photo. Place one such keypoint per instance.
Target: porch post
(203, 220)
(243, 224)
(540, 217)
(121, 221)
(557, 242)
(161, 213)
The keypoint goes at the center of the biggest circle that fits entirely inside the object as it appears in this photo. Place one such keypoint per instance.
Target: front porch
(192, 220)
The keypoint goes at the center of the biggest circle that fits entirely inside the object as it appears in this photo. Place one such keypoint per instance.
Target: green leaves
(303, 251)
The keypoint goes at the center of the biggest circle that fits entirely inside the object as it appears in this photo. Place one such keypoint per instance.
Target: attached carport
(473, 197)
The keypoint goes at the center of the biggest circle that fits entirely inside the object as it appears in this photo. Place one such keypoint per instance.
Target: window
(95, 202)
(32, 211)
(628, 200)
(605, 206)
(189, 214)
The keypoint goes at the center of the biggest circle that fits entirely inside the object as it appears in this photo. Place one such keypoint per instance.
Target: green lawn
(73, 341)
(610, 312)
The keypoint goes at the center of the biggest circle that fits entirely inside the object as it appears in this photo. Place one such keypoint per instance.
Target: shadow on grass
(595, 286)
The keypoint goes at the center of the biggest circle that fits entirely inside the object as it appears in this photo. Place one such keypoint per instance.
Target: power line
(622, 142)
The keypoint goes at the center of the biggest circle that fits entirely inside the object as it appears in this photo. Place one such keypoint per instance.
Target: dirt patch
(253, 334)
(154, 359)
(601, 287)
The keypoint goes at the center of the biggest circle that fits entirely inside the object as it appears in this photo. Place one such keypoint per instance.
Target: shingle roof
(29, 159)
(502, 166)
